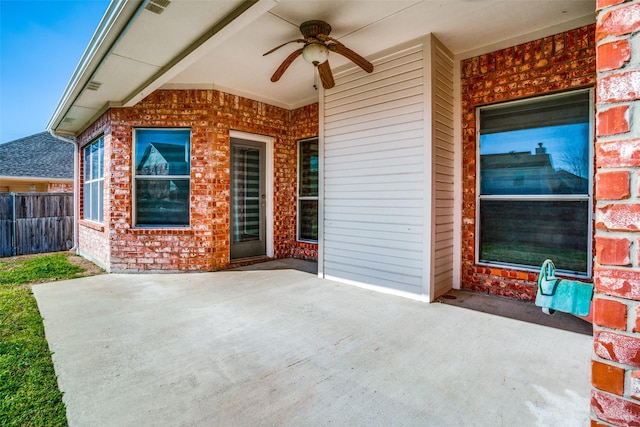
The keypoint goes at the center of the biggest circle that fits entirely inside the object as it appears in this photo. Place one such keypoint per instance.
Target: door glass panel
(245, 194)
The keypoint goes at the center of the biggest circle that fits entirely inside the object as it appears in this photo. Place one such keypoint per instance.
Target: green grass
(29, 394)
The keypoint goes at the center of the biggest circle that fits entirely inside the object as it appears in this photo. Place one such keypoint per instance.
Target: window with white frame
(93, 181)
(162, 177)
(535, 180)
(308, 190)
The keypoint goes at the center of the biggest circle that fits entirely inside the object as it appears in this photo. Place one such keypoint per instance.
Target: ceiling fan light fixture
(315, 53)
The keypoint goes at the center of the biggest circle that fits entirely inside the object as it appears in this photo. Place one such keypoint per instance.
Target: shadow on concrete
(491, 304)
(515, 309)
(307, 266)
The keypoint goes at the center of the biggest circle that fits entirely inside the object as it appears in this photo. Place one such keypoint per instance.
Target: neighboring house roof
(171, 156)
(522, 159)
(39, 156)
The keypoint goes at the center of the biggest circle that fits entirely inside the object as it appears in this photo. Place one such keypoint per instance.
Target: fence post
(14, 246)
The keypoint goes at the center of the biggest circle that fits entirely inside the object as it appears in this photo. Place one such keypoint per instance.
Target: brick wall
(210, 115)
(304, 124)
(615, 397)
(60, 187)
(551, 64)
(93, 239)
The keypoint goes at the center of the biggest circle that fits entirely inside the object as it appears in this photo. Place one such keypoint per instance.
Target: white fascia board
(117, 18)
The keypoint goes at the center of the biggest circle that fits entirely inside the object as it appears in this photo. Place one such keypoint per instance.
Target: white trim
(87, 182)
(457, 175)
(592, 181)
(300, 198)
(134, 219)
(321, 195)
(118, 17)
(588, 197)
(428, 287)
(269, 172)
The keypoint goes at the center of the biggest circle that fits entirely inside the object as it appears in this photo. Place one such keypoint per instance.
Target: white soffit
(368, 27)
(194, 44)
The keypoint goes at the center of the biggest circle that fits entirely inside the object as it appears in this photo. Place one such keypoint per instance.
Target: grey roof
(522, 159)
(40, 155)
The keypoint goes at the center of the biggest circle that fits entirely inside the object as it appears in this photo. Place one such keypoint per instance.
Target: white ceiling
(194, 44)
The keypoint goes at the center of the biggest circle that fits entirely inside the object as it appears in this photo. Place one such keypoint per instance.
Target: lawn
(29, 394)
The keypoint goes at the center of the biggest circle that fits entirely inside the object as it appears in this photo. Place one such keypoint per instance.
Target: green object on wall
(569, 296)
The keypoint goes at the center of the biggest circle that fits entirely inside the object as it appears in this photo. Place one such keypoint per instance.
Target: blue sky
(41, 42)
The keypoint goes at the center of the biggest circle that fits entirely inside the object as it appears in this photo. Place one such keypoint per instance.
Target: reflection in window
(534, 169)
(162, 177)
(308, 190)
(245, 185)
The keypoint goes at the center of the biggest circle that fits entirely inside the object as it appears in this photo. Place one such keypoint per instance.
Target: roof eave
(118, 16)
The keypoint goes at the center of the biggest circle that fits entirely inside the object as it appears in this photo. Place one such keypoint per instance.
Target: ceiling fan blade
(351, 55)
(283, 44)
(326, 76)
(285, 64)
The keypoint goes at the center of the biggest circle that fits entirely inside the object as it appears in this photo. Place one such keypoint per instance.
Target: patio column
(615, 395)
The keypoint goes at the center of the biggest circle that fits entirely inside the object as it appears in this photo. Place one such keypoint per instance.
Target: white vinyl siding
(388, 173)
(374, 174)
(443, 161)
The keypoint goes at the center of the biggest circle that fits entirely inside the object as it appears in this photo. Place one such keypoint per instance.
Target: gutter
(76, 186)
(99, 48)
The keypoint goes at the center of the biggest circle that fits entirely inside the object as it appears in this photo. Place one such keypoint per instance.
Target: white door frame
(268, 173)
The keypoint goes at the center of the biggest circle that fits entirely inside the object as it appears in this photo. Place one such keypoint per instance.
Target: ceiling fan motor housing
(313, 28)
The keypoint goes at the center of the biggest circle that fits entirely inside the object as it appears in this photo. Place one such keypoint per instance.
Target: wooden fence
(32, 223)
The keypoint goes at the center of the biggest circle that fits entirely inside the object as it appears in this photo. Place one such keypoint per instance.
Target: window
(93, 178)
(308, 190)
(162, 177)
(535, 182)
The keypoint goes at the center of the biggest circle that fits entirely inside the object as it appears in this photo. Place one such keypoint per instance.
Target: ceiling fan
(317, 45)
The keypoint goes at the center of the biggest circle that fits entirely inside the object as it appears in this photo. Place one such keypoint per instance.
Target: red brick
(613, 121)
(611, 56)
(636, 328)
(620, 153)
(209, 114)
(614, 185)
(635, 385)
(618, 217)
(601, 4)
(615, 410)
(607, 377)
(619, 21)
(619, 87)
(610, 314)
(617, 282)
(617, 347)
(559, 62)
(613, 251)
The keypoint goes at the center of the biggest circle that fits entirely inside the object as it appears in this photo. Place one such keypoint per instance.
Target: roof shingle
(40, 155)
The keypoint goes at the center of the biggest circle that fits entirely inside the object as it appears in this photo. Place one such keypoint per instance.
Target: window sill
(92, 225)
(505, 267)
(162, 231)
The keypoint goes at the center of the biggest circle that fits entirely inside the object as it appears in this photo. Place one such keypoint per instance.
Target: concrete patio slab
(284, 348)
